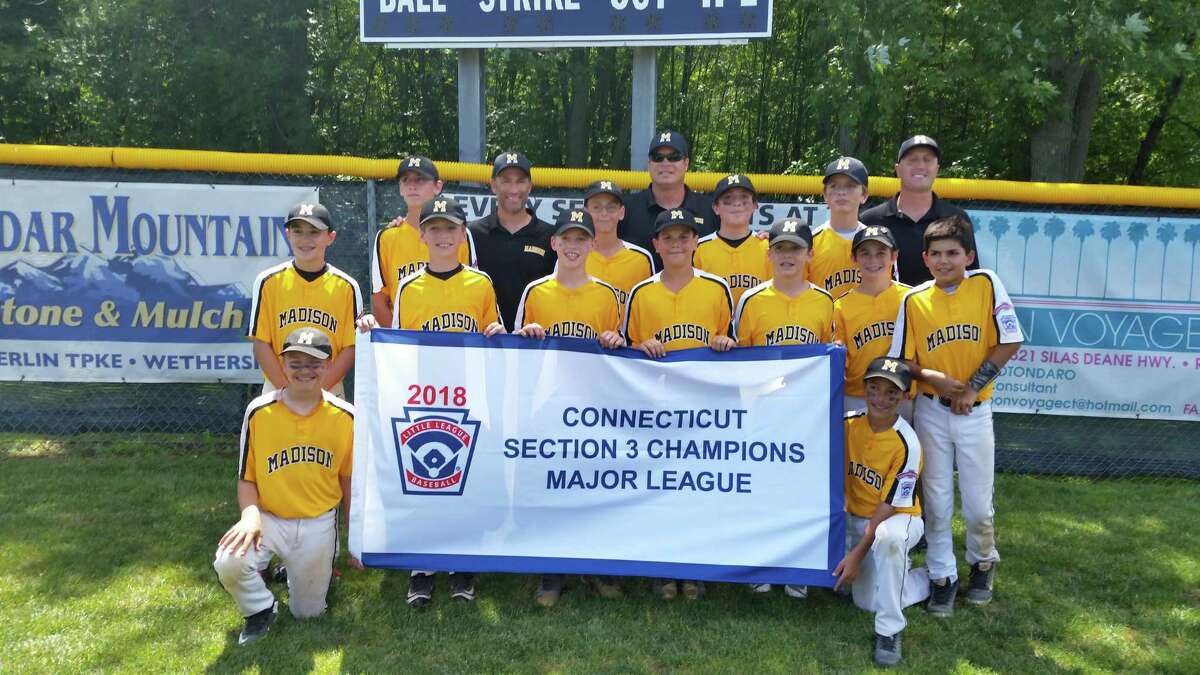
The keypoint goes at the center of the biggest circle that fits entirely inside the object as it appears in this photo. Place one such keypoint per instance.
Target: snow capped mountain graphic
(135, 284)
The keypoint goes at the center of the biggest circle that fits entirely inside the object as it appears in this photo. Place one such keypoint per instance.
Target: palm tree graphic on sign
(1082, 230)
(1166, 234)
(1054, 228)
(1137, 234)
(1026, 229)
(998, 227)
(1192, 236)
(1110, 231)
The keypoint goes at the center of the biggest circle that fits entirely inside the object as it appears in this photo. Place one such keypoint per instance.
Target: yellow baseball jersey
(583, 312)
(743, 265)
(623, 271)
(881, 467)
(296, 460)
(284, 300)
(832, 266)
(460, 301)
(399, 252)
(766, 317)
(865, 324)
(953, 332)
(690, 318)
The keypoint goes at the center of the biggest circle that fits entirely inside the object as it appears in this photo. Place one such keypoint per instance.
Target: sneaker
(420, 590)
(798, 592)
(666, 589)
(941, 597)
(693, 590)
(462, 586)
(258, 624)
(605, 587)
(549, 589)
(887, 649)
(275, 574)
(760, 588)
(979, 589)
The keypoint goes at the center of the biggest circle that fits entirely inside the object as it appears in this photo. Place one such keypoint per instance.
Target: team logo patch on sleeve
(434, 447)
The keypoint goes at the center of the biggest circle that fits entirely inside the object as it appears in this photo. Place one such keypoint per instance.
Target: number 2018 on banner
(431, 395)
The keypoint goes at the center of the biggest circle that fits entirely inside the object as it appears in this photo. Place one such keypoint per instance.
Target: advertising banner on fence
(1110, 305)
(134, 282)
(507, 454)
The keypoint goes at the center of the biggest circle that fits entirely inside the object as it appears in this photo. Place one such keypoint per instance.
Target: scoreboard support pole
(472, 95)
(645, 98)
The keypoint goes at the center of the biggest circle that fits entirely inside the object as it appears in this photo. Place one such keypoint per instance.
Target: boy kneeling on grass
(293, 472)
(883, 460)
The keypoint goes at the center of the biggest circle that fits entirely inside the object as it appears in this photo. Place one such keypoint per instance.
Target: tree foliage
(1096, 90)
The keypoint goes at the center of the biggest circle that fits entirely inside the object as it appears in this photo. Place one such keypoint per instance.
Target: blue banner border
(533, 565)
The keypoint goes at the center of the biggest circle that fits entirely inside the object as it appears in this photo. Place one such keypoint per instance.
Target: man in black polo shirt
(669, 162)
(511, 245)
(911, 210)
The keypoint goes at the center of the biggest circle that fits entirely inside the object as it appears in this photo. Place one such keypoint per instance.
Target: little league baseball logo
(434, 447)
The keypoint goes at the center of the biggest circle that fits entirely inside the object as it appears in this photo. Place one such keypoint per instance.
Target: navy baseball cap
(671, 217)
(732, 181)
(308, 341)
(669, 139)
(420, 165)
(793, 230)
(874, 233)
(574, 219)
(312, 213)
(893, 370)
(511, 159)
(847, 166)
(443, 208)
(604, 187)
(920, 140)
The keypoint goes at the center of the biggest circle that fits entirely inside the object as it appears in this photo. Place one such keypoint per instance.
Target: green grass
(106, 566)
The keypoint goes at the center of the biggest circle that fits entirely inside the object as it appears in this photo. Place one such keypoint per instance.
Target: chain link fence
(89, 418)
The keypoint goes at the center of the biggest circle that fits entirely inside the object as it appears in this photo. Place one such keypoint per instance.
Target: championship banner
(134, 282)
(508, 454)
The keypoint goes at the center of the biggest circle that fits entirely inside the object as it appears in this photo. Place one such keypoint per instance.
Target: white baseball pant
(967, 441)
(306, 546)
(886, 584)
(860, 403)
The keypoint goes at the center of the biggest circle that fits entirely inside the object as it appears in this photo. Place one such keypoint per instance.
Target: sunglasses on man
(670, 157)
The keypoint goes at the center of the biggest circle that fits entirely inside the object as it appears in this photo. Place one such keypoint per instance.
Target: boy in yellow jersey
(448, 297)
(614, 261)
(569, 303)
(865, 316)
(731, 252)
(681, 307)
(956, 331)
(293, 473)
(787, 310)
(883, 461)
(833, 265)
(305, 291)
(398, 250)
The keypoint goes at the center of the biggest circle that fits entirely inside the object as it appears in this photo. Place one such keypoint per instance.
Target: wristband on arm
(984, 376)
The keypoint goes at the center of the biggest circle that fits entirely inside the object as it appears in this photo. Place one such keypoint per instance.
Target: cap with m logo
(309, 341)
(849, 167)
(312, 213)
(443, 208)
(575, 219)
(511, 159)
(893, 370)
(416, 164)
(669, 139)
(670, 217)
(873, 233)
(603, 187)
(736, 180)
(791, 230)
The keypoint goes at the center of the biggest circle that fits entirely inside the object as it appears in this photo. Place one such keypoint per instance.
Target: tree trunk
(1059, 146)
(1137, 175)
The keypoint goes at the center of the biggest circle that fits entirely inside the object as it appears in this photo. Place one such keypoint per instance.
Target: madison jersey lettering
(832, 266)
(624, 270)
(400, 252)
(865, 325)
(742, 264)
(285, 300)
(953, 332)
(881, 467)
(583, 312)
(766, 317)
(295, 460)
(690, 318)
(459, 301)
